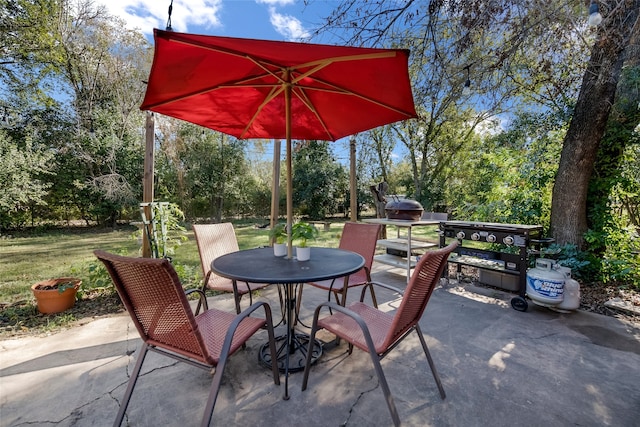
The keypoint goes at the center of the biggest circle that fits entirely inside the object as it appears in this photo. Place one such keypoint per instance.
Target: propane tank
(571, 299)
(545, 285)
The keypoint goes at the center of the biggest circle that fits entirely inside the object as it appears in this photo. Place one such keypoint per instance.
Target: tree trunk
(624, 119)
(597, 93)
(379, 197)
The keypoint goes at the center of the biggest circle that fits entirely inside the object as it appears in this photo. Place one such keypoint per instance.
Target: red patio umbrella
(282, 90)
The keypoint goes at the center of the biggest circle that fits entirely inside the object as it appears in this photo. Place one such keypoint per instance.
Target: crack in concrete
(357, 400)
(130, 353)
(74, 417)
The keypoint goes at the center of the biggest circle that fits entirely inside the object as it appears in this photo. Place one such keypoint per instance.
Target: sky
(289, 20)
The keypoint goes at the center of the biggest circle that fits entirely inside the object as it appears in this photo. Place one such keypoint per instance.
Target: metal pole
(353, 192)
(287, 97)
(275, 185)
(147, 180)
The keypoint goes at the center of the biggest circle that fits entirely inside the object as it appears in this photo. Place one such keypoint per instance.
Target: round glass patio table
(261, 266)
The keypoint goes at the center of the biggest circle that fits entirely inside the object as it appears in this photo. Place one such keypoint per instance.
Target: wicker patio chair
(360, 238)
(215, 240)
(379, 332)
(153, 295)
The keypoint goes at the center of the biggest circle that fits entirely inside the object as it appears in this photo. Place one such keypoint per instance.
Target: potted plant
(302, 232)
(56, 295)
(278, 235)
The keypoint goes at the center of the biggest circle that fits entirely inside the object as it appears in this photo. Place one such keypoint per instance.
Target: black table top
(261, 266)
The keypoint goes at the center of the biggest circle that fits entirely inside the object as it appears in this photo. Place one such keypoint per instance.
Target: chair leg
(312, 337)
(431, 364)
(132, 383)
(343, 296)
(272, 346)
(385, 387)
(213, 393)
(236, 296)
(222, 362)
(374, 300)
(204, 289)
(299, 301)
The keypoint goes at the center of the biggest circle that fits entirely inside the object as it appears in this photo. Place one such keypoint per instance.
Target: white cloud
(149, 14)
(276, 2)
(492, 126)
(287, 25)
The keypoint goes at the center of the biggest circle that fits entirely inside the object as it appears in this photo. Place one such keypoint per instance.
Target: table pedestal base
(291, 358)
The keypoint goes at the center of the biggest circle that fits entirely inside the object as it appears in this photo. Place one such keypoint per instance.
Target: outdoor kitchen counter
(402, 243)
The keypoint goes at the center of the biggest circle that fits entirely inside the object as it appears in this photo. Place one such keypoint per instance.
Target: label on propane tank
(546, 287)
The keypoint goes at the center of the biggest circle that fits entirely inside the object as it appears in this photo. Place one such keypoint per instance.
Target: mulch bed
(593, 296)
(23, 319)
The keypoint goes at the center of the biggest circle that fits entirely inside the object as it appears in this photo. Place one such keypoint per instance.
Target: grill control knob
(508, 240)
(475, 236)
(491, 238)
(460, 235)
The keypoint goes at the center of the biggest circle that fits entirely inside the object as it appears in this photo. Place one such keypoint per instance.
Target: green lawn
(27, 258)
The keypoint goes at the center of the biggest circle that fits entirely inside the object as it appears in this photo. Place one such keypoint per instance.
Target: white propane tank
(571, 299)
(545, 286)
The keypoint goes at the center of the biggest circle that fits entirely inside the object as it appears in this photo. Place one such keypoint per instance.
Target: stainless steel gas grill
(500, 251)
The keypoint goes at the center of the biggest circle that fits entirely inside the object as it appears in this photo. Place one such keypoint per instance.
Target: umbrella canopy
(277, 90)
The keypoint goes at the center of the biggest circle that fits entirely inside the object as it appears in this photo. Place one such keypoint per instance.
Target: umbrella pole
(287, 109)
(275, 186)
(147, 184)
(353, 185)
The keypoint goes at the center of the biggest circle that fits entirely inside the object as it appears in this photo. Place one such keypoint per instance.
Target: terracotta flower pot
(49, 298)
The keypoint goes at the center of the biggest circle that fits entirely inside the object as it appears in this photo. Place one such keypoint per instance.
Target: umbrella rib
(338, 89)
(306, 101)
(292, 75)
(321, 63)
(237, 83)
(176, 37)
(260, 62)
(275, 91)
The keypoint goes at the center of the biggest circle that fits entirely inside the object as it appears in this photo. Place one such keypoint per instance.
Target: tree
(597, 95)
(319, 182)
(205, 172)
(507, 177)
(497, 51)
(374, 155)
(103, 66)
(613, 180)
(22, 169)
(29, 46)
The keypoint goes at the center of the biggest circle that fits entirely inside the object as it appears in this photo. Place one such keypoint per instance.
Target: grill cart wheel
(519, 303)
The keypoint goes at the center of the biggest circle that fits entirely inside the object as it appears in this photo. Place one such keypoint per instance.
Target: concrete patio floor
(499, 367)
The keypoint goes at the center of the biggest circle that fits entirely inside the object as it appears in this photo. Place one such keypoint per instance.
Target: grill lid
(403, 209)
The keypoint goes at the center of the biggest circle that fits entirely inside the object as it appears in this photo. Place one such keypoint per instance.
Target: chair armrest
(382, 285)
(201, 296)
(256, 305)
(350, 313)
(226, 346)
(334, 306)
